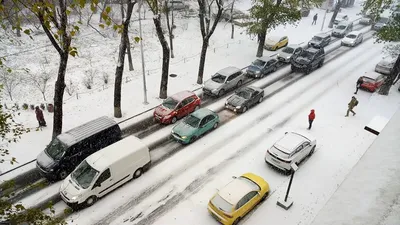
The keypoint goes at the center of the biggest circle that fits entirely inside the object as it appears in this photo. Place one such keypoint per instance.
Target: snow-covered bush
(25, 106)
(105, 78)
(88, 79)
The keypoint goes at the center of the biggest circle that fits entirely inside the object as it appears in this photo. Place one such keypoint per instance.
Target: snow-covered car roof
(371, 75)
(182, 95)
(275, 38)
(236, 189)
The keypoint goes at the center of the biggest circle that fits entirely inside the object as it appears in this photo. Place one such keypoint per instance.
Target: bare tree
(121, 60)
(170, 26)
(40, 80)
(9, 80)
(70, 87)
(88, 79)
(156, 8)
(207, 29)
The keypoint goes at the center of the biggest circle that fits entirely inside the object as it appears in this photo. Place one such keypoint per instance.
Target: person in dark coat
(311, 118)
(314, 22)
(353, 103)
(360, 81)
(40, 117)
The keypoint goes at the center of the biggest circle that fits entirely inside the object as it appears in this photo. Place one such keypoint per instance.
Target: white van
(104, 171)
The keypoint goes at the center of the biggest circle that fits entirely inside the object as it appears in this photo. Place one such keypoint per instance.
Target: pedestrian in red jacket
(311, 118)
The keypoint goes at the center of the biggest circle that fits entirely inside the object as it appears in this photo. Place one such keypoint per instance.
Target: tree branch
(202, 12)
(49, 35)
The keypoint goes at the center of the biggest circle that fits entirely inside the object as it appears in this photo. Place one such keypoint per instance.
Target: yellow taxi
(237, 198)
(275, 42)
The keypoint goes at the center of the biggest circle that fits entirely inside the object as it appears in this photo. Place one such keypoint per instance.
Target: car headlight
(167, 116)
(238, 107)
(184, 137)
(76, 197)
(258, 72)
(226, 103)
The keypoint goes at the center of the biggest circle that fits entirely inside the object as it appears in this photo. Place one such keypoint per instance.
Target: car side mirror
(234, 177)
(96, 185)
(286, 132)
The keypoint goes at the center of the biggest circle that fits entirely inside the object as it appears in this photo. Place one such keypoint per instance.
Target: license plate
(276, 161)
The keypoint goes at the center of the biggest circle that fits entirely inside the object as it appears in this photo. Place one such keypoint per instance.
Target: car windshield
(218, 78)
(288, 50)
(316, 38)
(192, 121)
(383, 20)
(306, 54)
(341, 27)
(170, 103)
(246, 94)
(84, 175)
(259, 63)
(222, 204)
(55, 149)
(351, 36)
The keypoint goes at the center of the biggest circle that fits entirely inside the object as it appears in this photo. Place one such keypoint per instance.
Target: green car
(195, 125)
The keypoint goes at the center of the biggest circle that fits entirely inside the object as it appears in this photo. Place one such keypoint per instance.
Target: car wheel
(320, 64)
(239, 83)
(174, 120)
(90, 201)
(311, 152)
(221, 92)
(197, 108)
(260, 99)
(63, 174)
(308, 71)
(137, 173)
(244, 109)
(262, 75)
(274, 69)
(265, 196)
(193, 139)
(215, 125)
(236, 221)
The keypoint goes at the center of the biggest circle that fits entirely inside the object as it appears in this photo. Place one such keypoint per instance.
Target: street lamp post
(142, 55)
(323, 21)
(287, 203)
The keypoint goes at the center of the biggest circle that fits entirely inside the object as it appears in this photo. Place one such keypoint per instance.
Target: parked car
(224, 80)
(372, 81)
(366, 20)
(342, 29)
(238, 198)
(308, 60)
(340, 17)
(237, 14)
(244, 98)
(382, 22)
(291, 148)
(195, 125)
(176, 5)
(261, 67)
(353, 38)
(176, 106)
(304, 12)
(276, 42)
(104, 171)
(385, 66)
(68, 149)
(288, 52)
(320, 40)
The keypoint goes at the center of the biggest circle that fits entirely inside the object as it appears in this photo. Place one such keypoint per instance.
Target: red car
(177, 106)
(372, 82)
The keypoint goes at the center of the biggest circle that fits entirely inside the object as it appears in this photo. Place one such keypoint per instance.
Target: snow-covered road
(196, 167)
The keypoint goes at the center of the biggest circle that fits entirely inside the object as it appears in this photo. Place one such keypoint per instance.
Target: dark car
(261, 67)
(320, 40)
(69, 149)
(244, 98)
(308, 60)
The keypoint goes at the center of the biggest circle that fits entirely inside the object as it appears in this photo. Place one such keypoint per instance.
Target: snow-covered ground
(177, 191)
(239, 52)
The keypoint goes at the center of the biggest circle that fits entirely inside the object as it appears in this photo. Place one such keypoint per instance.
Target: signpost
(287, 202)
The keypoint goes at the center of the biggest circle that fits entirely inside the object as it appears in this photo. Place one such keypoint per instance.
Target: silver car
(224, 80)
(291, 148)
(176, 5)
(287, 53)
(352, 39)
(385, 66)
(342, 29)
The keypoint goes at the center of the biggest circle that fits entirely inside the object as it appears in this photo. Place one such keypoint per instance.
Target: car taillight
(228, 215)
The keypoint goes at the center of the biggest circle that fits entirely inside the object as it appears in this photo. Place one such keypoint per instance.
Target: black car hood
(45, 161)
(302, 60)
(235, 100)
(253, 68)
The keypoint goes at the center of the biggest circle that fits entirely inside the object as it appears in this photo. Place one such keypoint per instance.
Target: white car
(353, 38)
(291, 148)
(385, 66)
(340, 18)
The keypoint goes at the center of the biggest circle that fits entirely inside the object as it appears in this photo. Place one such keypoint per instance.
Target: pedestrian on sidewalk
(360, 81)
(311, 118)
(353, 103)
(40, 117)
(314, 22)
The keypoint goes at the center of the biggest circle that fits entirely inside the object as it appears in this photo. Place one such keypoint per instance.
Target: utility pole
(141, 52)
(323, 21)
(287, 203)
(335, 12)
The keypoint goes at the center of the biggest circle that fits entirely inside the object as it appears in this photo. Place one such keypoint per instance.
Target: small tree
(40, 80)
(70, 87)
(10, 80)
(88, 80)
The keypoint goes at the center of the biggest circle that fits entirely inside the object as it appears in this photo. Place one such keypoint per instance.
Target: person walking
(40, 117)
(353, 103)
(360, 81)
(311, 118)
(314, 22)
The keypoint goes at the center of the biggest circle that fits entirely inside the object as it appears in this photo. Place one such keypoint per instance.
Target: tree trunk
(165, 59)
(44, 96)
(260, 49)
(18, 23)
(233, 25)
(122, 10)
(335, 12)
(385, 88)
(202, 60)
(128, 49)
(121, 60)
(170, 30)
(59, 94)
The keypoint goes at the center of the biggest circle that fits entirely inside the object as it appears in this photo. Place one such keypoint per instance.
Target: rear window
(222, 204)
(277, 149)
